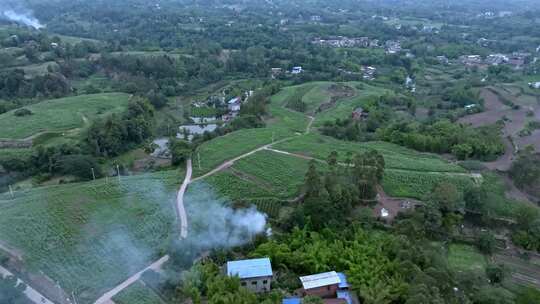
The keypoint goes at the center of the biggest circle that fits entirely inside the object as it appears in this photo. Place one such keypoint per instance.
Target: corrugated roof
(342, 280)
(250, 268)
(320, 279)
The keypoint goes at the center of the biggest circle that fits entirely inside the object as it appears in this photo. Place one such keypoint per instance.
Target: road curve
(180, 209)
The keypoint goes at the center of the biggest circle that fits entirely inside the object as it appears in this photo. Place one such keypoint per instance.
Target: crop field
(525, 271)
(61, 114)
(465, 258)
(418, 185)
(218, 150)
(138, 293)
(92, 236)
(236, 188)
(287, 118)
(283, 174)
(396, 157)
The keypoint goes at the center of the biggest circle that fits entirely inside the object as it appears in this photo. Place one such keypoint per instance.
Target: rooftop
(250, 268)
(320, 279)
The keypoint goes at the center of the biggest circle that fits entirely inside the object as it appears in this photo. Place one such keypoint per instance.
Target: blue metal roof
(345, 295)
(343, 280)
(250, 268)
(291, 301)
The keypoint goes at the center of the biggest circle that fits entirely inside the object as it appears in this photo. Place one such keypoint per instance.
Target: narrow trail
(30, 293)
(107, 297)
(231, 162)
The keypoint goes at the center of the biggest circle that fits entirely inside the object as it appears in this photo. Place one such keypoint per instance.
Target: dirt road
(107, 297)
(180, 208)
(30, 293)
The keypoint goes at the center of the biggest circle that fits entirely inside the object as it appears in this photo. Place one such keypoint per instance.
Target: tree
(447, 197)
(10, 292)
(82, 166)
(180, 151)
(462, 151)
(486, 243)
(495, 273)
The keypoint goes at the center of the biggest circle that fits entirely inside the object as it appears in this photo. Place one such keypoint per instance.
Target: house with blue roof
(255, 274)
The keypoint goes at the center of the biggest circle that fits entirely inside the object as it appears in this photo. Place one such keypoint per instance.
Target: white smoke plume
(212, 224)
(24, 18)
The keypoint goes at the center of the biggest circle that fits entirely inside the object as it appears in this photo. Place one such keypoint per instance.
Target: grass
(497, 201)
(92, 236)
(282, 174)
(38, 69)
(417, 184)
(223, 148)
(61, 114)
(138, 293)
(466, 258)
(235, 188)
(396, 157)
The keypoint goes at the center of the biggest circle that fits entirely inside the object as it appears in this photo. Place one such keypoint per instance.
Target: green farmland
(92, 236)
(62, 114)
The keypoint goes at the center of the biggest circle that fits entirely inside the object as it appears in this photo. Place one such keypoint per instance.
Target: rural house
(534, 85)
(297, 70)
(359, 114)
(254, 274)
(234, 105)
(331, 286)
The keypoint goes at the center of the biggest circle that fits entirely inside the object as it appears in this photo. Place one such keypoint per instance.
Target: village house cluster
(346, 42)
(516, 60)
(256, 275)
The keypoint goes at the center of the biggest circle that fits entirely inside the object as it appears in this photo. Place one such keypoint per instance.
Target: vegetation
(61, 114)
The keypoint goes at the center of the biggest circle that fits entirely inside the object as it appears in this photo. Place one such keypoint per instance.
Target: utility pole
(74, 298)
(93, 174)
(11, 191)
(199, 159)
(118, 172)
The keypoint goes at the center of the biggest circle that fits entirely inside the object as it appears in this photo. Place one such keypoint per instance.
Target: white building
(297, 70)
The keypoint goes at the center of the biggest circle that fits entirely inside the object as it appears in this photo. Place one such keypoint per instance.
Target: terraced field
(91, 236)
(62, 114)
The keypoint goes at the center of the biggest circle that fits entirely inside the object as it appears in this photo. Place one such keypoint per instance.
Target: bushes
(22, 112)
(82, 166)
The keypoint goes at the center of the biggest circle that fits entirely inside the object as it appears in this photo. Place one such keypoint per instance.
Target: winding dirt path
(180, 208)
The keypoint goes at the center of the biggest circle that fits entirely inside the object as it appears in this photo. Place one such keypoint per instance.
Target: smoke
(17, 11)
(213, 224)
(24, 18)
